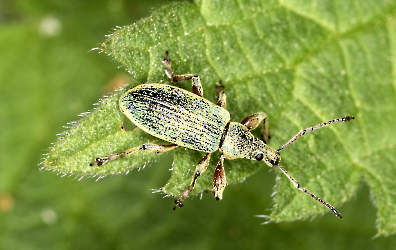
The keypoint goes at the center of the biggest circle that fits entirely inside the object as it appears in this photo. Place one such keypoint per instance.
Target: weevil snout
(275, 161)
(272, 158)
(263, 152)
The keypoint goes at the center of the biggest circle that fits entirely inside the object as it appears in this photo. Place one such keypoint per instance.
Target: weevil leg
(153, 148)
(252, 121)
(196, 81)
(297, 185)
(200, 169)
(197, 86)
(219, 179)
(221, 96)
(219, 87)
(321, 125)
(167, 62)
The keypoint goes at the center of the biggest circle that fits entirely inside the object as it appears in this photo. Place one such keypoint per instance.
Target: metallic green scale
(240, 143)
(186, 119)
(181, 117)
(176, 115)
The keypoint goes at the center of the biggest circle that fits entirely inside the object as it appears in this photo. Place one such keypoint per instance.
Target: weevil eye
(259, 157)
(274, 162)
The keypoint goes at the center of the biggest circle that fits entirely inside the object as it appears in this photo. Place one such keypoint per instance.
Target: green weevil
(186, 119)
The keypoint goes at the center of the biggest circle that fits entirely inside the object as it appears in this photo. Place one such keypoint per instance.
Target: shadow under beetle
(188, 120)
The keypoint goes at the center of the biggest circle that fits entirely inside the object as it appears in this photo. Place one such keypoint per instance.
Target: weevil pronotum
(186, 119)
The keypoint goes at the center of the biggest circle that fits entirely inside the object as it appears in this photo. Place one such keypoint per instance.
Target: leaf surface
(302, 64)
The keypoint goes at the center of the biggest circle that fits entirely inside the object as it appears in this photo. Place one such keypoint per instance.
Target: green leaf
(300, 63)
(98, 134)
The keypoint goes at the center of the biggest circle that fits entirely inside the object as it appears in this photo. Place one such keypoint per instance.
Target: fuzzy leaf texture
(302, 64)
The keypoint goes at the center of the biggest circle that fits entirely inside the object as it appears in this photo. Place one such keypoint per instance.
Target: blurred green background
(47, 78)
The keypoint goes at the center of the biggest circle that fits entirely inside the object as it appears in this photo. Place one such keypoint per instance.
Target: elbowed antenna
(321, 125)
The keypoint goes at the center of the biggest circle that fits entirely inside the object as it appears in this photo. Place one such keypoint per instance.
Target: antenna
(295, 182)
(321, 125)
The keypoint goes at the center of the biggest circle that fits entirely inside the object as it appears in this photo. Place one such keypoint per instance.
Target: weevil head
(262, 152)
(240, 143)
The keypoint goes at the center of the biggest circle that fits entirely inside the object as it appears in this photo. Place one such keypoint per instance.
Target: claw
(99, 161)
(178, 203)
